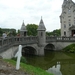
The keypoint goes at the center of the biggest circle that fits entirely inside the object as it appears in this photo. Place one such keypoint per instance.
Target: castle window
(64, 21)
(41, 34)
(69, 11)
(69, 16)
(64, 26)
(74, 21)
(64, 33)
(74, 12)
(64, 12)
(69, 24)
(69, 20)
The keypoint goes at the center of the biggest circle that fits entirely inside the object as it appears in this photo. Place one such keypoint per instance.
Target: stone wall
(8, 54)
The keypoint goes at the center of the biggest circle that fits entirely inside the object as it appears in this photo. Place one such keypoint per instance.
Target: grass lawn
(30, 69)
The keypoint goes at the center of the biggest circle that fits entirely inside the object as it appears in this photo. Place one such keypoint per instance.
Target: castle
(67, 18)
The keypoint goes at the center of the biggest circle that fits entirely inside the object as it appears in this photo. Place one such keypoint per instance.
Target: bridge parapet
(66, 39)
(51, 39)
(60, 39)
(10, 41)
(14, 41)
(6, 43)
(25, 40)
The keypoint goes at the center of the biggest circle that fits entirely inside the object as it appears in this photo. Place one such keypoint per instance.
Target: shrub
(70, 48)
(23, 59)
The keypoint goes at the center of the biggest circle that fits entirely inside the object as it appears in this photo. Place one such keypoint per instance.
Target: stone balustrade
(13, 41)
(25, 40)
(60, 39)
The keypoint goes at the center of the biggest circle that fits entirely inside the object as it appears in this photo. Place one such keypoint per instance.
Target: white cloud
(13, 12)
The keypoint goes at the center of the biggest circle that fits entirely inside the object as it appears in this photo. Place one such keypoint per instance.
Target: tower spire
(23, 30)
(41, 17)
(41, 25)
(23, 21)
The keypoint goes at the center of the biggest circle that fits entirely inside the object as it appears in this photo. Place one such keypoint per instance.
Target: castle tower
(23, 31)
(67, 18)
(64, 3)
(41, 37)
(41, 33)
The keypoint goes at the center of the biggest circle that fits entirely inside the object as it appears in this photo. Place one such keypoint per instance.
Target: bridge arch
(29, 50)
(49, 46)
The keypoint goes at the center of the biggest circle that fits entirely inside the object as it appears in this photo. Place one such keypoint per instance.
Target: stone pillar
(41, 51)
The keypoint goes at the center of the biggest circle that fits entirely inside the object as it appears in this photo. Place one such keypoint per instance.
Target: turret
(23, 31)
(41, 33)
(64, 3)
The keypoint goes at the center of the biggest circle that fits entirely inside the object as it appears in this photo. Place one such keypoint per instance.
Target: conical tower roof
(41, 25)
(23, 27)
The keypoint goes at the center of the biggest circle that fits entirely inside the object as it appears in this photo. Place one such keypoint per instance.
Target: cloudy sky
(13, 12)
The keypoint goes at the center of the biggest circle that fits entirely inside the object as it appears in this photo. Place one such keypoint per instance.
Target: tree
(57, 32)
(13, 33)
(32, 29)
(1, 32)
(54, 33)
(9, 32)
(18, 32)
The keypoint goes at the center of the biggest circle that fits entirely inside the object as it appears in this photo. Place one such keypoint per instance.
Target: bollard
(18, 55)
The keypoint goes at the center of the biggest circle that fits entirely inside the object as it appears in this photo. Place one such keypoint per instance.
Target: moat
(58, 63)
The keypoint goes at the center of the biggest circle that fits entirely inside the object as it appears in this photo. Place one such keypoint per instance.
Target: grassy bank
(70, 48)
(30, 69)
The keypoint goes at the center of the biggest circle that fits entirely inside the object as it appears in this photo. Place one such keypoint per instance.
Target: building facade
(67, 18)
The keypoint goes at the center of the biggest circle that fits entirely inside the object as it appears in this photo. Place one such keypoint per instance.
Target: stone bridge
(36, 45)
(30, 44)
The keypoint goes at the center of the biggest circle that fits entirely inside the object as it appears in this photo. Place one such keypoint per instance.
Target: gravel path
(7, 69)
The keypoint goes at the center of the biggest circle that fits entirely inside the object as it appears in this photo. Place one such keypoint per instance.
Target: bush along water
(23, 59)
(70, 48)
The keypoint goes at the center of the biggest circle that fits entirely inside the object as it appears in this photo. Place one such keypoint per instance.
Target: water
(58, 63)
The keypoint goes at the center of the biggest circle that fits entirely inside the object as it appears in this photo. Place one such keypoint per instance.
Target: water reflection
(55, 69)
(58, 63)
